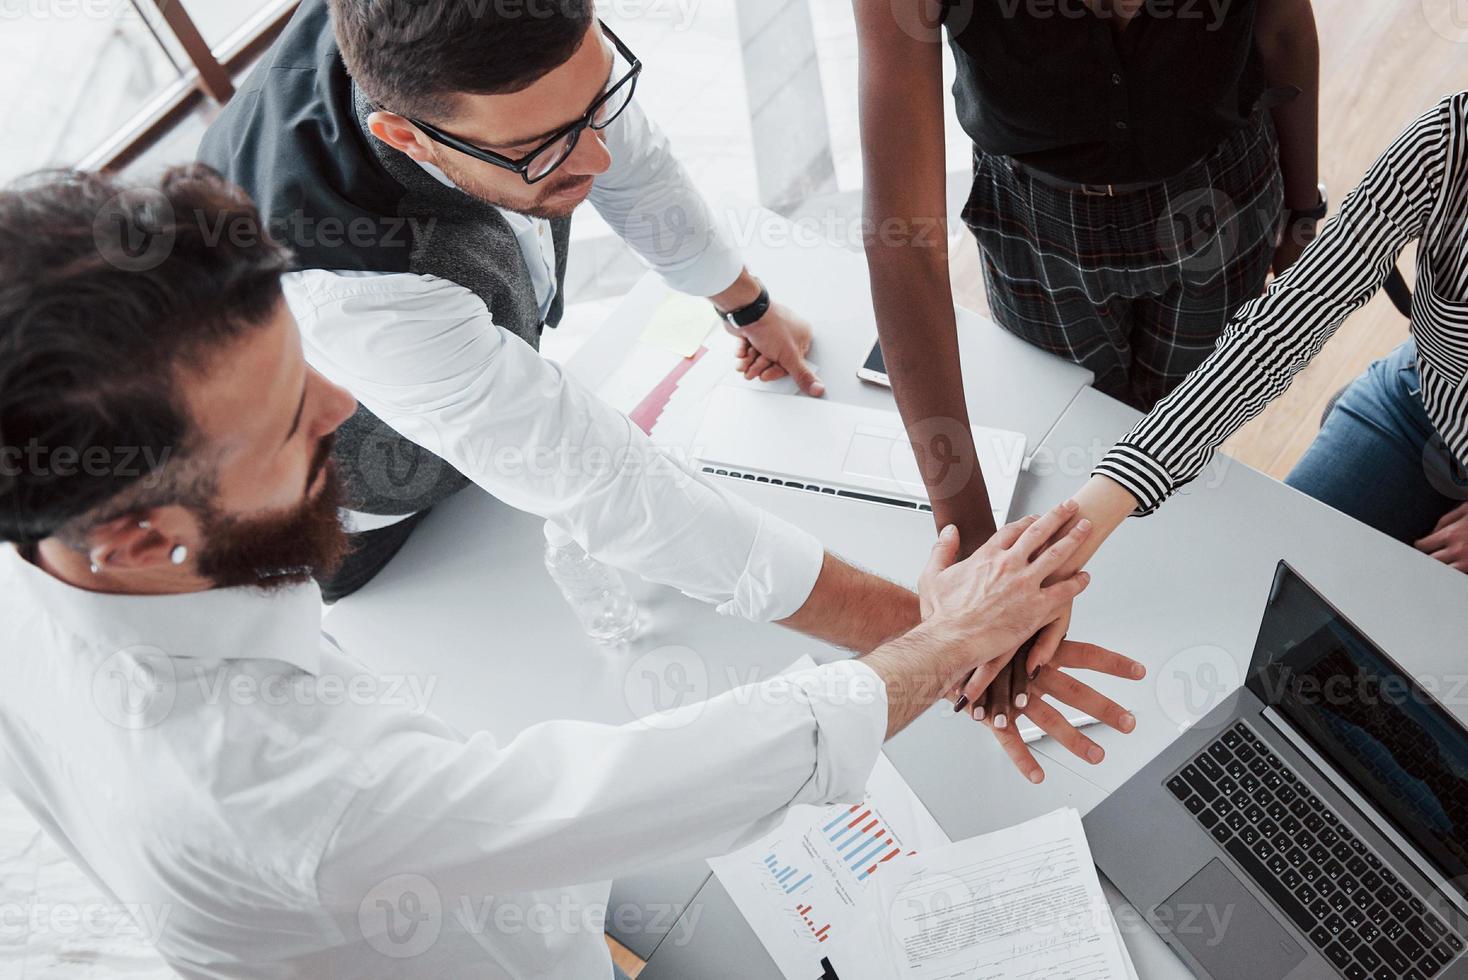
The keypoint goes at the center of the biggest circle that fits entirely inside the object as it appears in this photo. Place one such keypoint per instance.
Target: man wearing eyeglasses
(423, 161)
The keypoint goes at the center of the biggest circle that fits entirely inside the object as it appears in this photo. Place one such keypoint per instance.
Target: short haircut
(413, 57)
(107, 290)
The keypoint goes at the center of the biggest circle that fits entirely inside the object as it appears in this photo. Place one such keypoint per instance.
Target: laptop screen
(1376, 725)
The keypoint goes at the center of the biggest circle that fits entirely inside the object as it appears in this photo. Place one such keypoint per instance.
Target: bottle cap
(557, 536)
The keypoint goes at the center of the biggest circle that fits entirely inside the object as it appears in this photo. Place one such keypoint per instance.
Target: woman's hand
(1055, 682)
(999, 597)
(1448, 542)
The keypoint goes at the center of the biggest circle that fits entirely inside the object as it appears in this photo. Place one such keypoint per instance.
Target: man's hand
(997, 692)
(998, 596)
(1448, 542)
(1065, 689)
(775, 345)
(978, 609)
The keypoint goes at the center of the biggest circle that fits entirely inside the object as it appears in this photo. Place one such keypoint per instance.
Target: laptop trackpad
(874, 455)
(1226, 929)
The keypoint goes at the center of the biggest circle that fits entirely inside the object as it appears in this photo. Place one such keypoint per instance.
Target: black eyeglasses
(539, 163)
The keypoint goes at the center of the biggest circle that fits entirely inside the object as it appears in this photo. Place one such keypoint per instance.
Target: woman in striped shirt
(1391, 452)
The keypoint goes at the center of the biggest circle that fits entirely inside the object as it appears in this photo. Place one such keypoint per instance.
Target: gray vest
(466, 241)
(295, 138)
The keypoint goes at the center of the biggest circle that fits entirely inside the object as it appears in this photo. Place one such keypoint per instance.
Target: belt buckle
(1098, 190)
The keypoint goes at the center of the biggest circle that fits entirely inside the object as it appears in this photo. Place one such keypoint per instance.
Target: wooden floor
(1382, 66)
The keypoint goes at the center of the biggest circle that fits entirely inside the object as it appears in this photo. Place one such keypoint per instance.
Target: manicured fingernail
(1000, 721)
(1095, 754)
(948, 532)
(1128, 722)
(818, 389)
(1037, 776)
(1083, 525)
(1020, 700)
(978, 712)
(960, 704)
(1139, 671)
(1034, 673)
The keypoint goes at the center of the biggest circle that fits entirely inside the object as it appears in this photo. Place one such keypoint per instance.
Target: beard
(551, 199)
(282, 549)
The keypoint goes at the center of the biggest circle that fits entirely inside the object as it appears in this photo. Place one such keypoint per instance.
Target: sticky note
(680, 324)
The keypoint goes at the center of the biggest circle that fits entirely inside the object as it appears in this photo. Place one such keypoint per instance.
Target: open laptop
(820, 446)
(1314, 824)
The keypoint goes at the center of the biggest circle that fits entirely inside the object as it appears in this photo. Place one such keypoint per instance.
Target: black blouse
(1052, 84)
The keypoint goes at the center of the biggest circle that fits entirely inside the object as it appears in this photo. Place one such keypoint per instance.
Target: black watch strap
(1315, 214)
(753, 313)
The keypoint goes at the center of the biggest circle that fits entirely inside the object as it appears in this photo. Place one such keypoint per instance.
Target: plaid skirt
(1135, 287)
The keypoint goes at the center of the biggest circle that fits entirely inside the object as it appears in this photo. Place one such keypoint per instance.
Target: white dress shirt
(424, 355)
(273, 809)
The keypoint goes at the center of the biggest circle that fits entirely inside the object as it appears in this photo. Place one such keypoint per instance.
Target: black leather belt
(1089, 190)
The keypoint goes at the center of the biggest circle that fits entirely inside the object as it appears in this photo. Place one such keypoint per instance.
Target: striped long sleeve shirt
(1417, 190)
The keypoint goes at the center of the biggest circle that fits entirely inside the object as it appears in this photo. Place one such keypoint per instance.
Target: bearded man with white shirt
(167, 492)
(423, 161)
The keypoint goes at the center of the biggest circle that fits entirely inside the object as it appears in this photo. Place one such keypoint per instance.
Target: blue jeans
(1378, 457)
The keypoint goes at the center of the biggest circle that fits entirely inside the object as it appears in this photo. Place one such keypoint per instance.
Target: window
(78, 71)
(99, 81)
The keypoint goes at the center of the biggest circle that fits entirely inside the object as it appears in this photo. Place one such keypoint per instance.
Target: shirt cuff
(1139, 474)
(780, 574)
(849, 703)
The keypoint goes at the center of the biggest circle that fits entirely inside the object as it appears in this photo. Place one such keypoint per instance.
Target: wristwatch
(1314, 215)
(752, 313)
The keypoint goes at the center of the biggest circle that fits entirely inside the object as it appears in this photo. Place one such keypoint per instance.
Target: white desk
(467, 606)
(1182, 591)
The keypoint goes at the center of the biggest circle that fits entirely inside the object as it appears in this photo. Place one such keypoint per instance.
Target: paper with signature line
(1023, 902)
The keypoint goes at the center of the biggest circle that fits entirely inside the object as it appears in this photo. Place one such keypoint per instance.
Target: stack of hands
(1008, 605)
(992, 604)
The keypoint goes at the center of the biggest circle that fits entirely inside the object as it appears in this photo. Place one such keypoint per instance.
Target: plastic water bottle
(595, 592)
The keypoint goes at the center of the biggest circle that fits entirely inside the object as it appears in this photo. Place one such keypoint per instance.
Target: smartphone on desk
(874, 369)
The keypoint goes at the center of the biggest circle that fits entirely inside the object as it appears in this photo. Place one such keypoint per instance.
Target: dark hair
(107, 289)
(413, 57)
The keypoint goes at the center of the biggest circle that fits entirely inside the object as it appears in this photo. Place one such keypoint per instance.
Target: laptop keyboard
(873, 498)
(1340, 894)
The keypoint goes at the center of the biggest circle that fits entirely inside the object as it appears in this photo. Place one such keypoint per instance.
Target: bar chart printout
(799, 886)
(862, 841)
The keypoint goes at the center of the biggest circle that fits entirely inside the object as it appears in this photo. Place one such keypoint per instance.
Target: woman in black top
(1133, 160)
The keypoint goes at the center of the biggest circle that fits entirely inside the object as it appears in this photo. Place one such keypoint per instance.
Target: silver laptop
(1314, 824)
(820, 446)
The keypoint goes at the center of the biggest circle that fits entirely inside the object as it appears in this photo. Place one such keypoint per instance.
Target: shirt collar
(218, 625)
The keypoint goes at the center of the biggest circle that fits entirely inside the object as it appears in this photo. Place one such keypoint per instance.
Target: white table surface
(1182, 591)
(467, 606)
